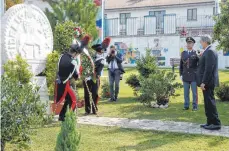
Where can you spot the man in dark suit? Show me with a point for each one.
(208, 79)
(188, 66)
(114, 60)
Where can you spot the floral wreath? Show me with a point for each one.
(78, 32)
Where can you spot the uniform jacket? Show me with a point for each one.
(99, 64)
(188, 66)
(66, 67)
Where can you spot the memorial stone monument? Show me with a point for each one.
(26, 31)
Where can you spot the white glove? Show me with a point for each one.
(181, 78)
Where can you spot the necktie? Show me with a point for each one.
(112, 66)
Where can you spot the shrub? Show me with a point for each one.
(222, 92)
(51, 70)
(158, 87)
(134, 83)
(105, 89)
(69, 137)
(146, 64)
(63, 35)
(18, 70)
(21, 110)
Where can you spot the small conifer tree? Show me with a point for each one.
(69, 137)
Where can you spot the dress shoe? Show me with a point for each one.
(61, 119)
(194, 109)
(203, 125)
(110, 100)
(186, 108)
(86, 114)
(95, 113)
(212, 127)
(115, 99)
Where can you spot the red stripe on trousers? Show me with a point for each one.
(71, 93)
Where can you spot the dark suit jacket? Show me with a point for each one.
(118, 59)
(188, 66)
(207, 71)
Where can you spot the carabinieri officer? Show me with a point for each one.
(188, 67)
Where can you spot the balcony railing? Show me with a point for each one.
(150, 25)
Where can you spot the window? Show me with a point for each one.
(159, 17)
(157, 13)
(123, 17)
(192, 14)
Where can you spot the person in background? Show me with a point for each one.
(208, 79)
(115, 69)
(93, 85)
(188, 67)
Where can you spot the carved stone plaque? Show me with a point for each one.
(26, 31)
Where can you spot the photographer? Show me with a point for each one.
(115, 69)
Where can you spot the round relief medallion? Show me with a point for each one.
(26, 31)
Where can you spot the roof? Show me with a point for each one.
(120, 4)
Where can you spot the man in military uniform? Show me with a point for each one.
(67, 69)
(91, 86)
(188, 67)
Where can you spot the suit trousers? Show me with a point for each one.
(210, 107)
(114, 78)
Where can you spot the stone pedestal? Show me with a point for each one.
(43, 91)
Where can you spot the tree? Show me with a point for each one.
(69, 137)
(147, 64)
(221, 28)
(10, 3)
(82, 12)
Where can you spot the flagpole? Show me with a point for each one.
(102, 35)
(2, 7)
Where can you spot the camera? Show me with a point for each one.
(112, 52)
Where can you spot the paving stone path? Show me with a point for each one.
(144, 124)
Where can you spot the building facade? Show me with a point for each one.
(158, 25)
(161, 26)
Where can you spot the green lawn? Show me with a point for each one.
(96, 138)
(129, 107)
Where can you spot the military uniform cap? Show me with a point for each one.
(190, 39)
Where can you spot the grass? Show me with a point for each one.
(117, 139)
(98, 138)
(128, 107)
